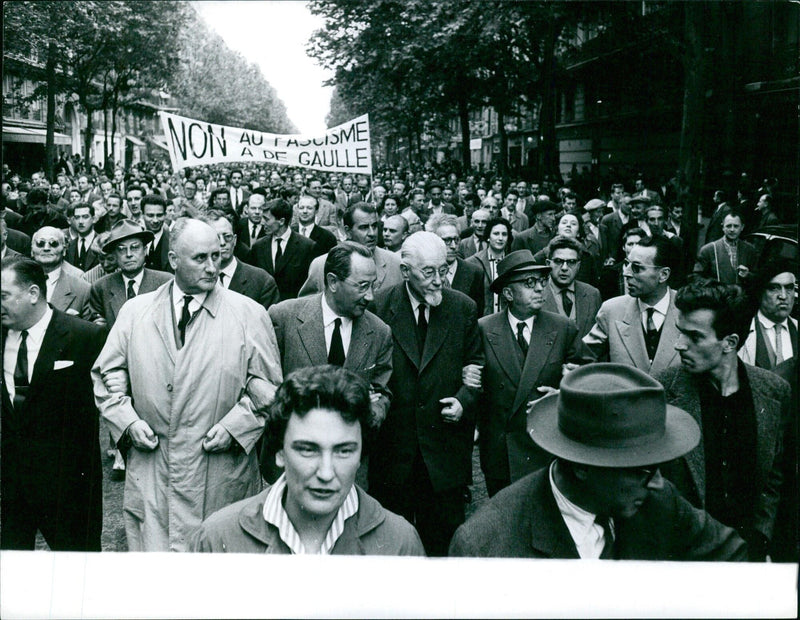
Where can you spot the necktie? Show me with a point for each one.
(81, 253)
(252, 233)
(566, 302)
(304, 231)
(21, 384)
(222, 278)
(185, 318)
(336, 353)
(446, 281)
(608, 534)
(422, 328)
(130, 292)
(778, 344)
(278, 252)
(651, 335)
(523, 344)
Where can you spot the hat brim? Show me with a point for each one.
(682, 435)
(501, 281)
(145, 235)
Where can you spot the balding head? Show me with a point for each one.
(194, 255)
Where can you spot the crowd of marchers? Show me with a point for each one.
(253, 336)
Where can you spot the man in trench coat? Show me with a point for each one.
(202, 363)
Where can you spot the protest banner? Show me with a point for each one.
(344, 148)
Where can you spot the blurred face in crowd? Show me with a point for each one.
(498, 238)
(170, 212)
(564, 265)
(522, 189)
(255, 208)
(656, 220)
(321, 454)
(436, 196)
(616, 193)
(570, 204)
(479, 220)
(75, 196)
(777, 300)
(395, 230)
(365, 228)
(135, 202)
(48, 247)
(154, 215)
(227, 240)
(481, 192)
(351, 296)
(315, 189)
(83, 183)
(447, 194)
(306, 210)
(676, 214)
(510, 202)
(363, 186)
(222, 201)
(732, 227)
(637, 210)
(631, 241)
(417, 202)
(108, 260)
(390, 206)
(698, 345)
(189, 189)
(130, 255)
(81, 221)
(114, 206)
(449, 234)
(275, 180)
(347, 184)
(568, 226)
(106, 188)
(298, 182)
(399, 188)
(378, 194)
(196, 258)
(547, 219)
(424, 273)
(535, 189)
(55, 191)
(236, 179)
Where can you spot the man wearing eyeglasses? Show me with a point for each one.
(564, 294)
(421, 463)
(462, 275)
(639, 328)
(335, 327)
(66, 291)
(526, 348)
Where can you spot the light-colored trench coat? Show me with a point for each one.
(227, 371)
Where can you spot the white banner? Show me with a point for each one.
(345, 148)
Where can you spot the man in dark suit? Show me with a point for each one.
(66, 291)
(526, 349)
(603, 497)
(736, 472)
(79, 250)
(251, 228)
(612, 228)
(239, 194)
(154, 211)
(306, 209)
(475, 242)
(235, 275)
(421, 461)
(539, 234)
(714, 227)
(127, 241)
(282, 253)
(50, 442)
(461, 274)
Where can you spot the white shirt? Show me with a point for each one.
(560, 300)
(236, 197)
(156, 240)
(306, 230)
(228, 272)
(589, 537)
(33, 342)
(284, 239)
(514, 321)
(328, 319)
(137, 282)
(769, 332)
(87, 240)
(52, 281)
(415, 304)
(660, 313)
(177, 302)
(451, 272)
(275, 514)
(254, 230)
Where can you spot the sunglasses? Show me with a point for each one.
(40, 243)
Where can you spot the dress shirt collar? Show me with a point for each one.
(329, 316)
(661, 306)
(137, 281)
(307, 228)
(35, 331)
(415, 304)
(451, 271)
(556, 290)
(177, 300)
(229, 271)
(587, 535)
(275, 514)
(52, 281)
(514, 321)
(769, 324)
(284, 237)
(87, 240)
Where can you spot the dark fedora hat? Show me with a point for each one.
(540, 206)
(126, 229)
(612, 415)
(514, 264)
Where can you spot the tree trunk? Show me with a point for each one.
(88, 138)
(105, 138)
(548, 149)
(463, 116)
(502, 161)
(49, 144)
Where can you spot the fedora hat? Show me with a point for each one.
(612, 415)
(540, 206)
(513, 264)
(126, 229)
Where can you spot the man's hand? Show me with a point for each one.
(471, 376)
(116, 381)
(142, 436)
(451, 409)
(377, 410)
(217, 439)
(546, 390)
(569, 366)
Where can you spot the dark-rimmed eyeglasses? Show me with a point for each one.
(531, 281)
(40, 243)
(569, 262)
(637, 267)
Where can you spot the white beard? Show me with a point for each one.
(433, 299)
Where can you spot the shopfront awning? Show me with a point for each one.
(31, 135)
(134, 140)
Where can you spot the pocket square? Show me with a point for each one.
(61, 364)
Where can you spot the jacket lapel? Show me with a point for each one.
(404, 326)
(542, 338)
(55, 340)
(632, 337)
(360, 341)
(62, 296)
(549, 534)
(312, 332)
(666, 353)
(437, 333)
(502, 342)
(116, 292)
(380, 268)
(682, 393)
(163, 319)
(581, 306)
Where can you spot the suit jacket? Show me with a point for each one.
(292, 268)
(467, 247)
(71, 256)
(481, 261)
(523, 521)
(587, 303)
(71, 295)
(530, 239)
(19, 241)
(618, 336)
(748, 352)
(108, 294)
(158, 258)
(714, 228)
(611, 228)
(323, 237)
(771, 396)
(714, 260)
(387, 267)
(243, 233)
(509, 383)
(301, 341)
(254, 283)
(245, 195)
(50, 449)
(469, 280)
(419, 380)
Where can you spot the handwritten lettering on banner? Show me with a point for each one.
(345, 148)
